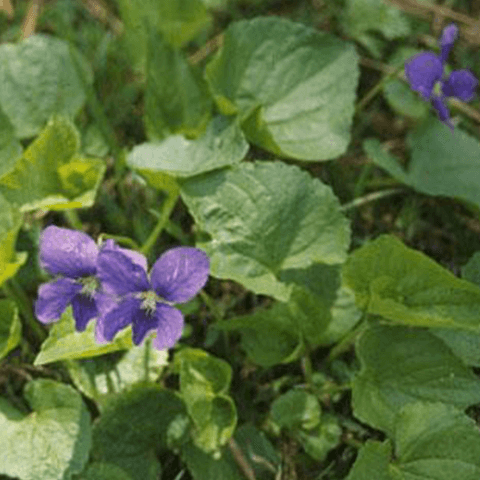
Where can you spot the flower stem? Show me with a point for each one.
(13, 290)
(307, 369)
(167, 207)
(347, 341)
(119, 239)
(376, 89)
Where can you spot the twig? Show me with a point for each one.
(6, 6)
(371, 197)
(240, 460)
(30, 22)
(98, 10)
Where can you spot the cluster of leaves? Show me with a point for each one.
(222, 132)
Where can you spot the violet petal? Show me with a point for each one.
(170, 326)
(460, 84)
(135, 257)
(84, 309)
(442, 110)
(54, 297)
(422, 72)
(104, 302)
(67, 252)
(449, 35)
(119, 317)
(180, 273)
(142, 324)
(119, 274)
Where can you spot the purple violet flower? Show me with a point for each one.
(147, 304)
(424, 73)
(72, 257)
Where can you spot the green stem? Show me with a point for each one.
(376, 89)
(13, 290)
(72, 218)
(167, 208)
(347, 340)
(307, 369)
(371, 197)
(119, 239)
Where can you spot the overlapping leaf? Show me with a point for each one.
(431, 442)
(406, 287)
(98, 377)
(10, 223)
(221, 145)
(440, 164)
(133, 426)
(204, 384)
(293, 86)
(51, 442)
(401, 365)
(38, 78)
(10, 327)
(65, 343)
(176, 96)
(50, 174)
(264, 219)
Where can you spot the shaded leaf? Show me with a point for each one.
(401, 365)
(38, 79)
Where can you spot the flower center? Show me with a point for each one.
(437, 89)
(150, 299)
(89, 286)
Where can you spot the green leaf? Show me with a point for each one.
(37, 80)
(10, 147)
(264, 219)
(104, 471)
(405, 286)
(176, 96)
(372, 462)
(221, 145)
(10, 222)
(65, 343)
(269, 336)
(255, 448)
(178, 20)
(133, 426)
(101, 376)
(293, 86)
(465, 345)
(51, 175)
(401, 365)
(363, 17)
(258, 451)
(296, 409)
(436, 442)
(318, 441)
(53, 441)
(324, 309)
(433, 441)
(471, 271)
(10, 327)
(204, 384)
(442, 163)
(203, 466)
